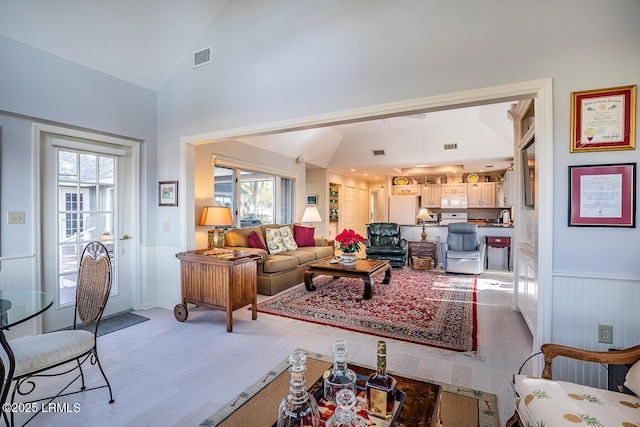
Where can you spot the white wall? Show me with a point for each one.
(299, 59)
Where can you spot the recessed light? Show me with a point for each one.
(352, 170)
(422, 166)
(365, 174)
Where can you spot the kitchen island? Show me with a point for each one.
(496, 257)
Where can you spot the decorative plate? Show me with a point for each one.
(400, 180)
(472, 178)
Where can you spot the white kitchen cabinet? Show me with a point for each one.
(459, 190)
(407, 190)
(431, 196)
(482, 196)
(527, 283)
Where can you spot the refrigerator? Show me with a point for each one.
(403, 209)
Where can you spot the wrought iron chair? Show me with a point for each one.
(39, 353)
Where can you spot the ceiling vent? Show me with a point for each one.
(379, 152)
(201, 57)
(451, 146)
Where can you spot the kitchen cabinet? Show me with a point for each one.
(454, 190)
(528, 289)
(407, 190)
(483, 195)
(431, 196)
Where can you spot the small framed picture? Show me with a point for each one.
(168, 193)
(312, 199)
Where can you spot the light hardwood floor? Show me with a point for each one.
(166, 373)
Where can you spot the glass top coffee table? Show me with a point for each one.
(364, 269)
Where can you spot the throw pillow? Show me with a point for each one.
(632, 380)
(303, 235)
(253, 241)
(287, 238)
(274, 241)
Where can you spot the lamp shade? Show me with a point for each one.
(423, 213)
(311, 214)
(216, 216)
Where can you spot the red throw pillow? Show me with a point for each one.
(253, 240)
(303, 235)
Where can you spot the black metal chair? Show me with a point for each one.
(37, 354)
(384, 242)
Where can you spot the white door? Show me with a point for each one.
(88, 192)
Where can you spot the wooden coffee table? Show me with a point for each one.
(364, 269)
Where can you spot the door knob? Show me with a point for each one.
(125, 237)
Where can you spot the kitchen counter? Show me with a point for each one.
(439, 232)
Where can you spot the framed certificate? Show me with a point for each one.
(603, 119)
(602, 195)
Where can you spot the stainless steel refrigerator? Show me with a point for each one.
(403, 209)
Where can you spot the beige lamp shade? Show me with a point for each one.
(423, 214)
(216, 216)
(311, 215)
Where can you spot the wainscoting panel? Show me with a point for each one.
(19, 272)
(580, 304)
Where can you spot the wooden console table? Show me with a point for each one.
(219, 279)
(423, 248)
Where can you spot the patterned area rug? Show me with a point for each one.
(418, 306)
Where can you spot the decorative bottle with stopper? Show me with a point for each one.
(299, 408)
(339, 376)
(345, 415)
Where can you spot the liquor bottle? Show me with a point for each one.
(345, 415)
(299, 408)
(381, 388)
(339, 376)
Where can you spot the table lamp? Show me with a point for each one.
(311, 215)
(423, 214)
(216, 216)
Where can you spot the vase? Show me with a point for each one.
(348, 258)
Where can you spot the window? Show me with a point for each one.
(256, 197)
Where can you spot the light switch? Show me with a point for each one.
(15, 217)
(166, 227)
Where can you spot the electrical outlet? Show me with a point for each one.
(166, 227)
(605, 334)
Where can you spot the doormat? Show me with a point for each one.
(114, 323)
(418, 306)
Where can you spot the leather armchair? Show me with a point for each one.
(384, 242)
(462, 253)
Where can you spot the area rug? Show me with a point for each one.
(115, 323)
(257, 406)
(418, 306)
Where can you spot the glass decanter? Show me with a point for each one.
(345, 415)
(299, 408)
(339, 376)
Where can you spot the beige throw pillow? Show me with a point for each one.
(288, 239)
(274, 241)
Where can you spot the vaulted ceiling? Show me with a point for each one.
(142, 41)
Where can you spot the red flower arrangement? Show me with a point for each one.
(349, 241)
